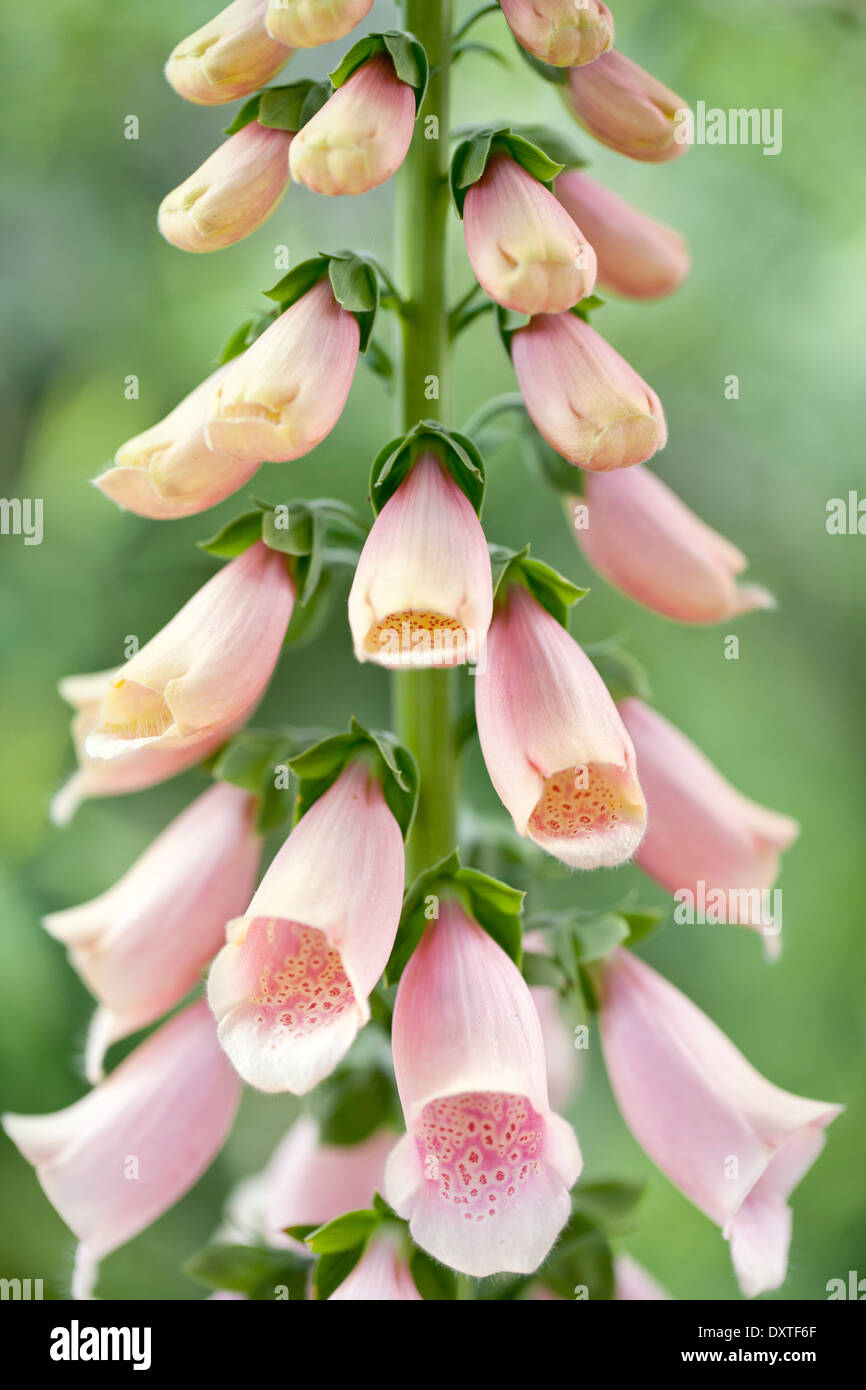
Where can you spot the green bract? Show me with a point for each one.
(496, 906)
(354, 278)
(244, 336)
(547, 586)
(473, 152)
(320, 535)
(579, 936)
(282, 108)
(404, 50)
(319, 767)
(251, 1270)
(393, 463)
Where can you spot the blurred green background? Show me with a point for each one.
(91, 293)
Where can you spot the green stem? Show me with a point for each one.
(424, 702)
(465, 1287)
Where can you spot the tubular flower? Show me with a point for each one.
(290, 988)
(141, 946)
(422, 593)
(637, 256)
(307, 1183)
(142, 767)
(638, 534)
(523, 246)
(732, 1142)
(232, 194)
(361, 135)
(227, 58)
(585, 399)
(626, 108)
(308, 23)
(484, 1170)
(207, 668)
(381, 1275)
(556, 750)
(169, 471)
(281, 397)
(706, 843)
(127, 1151)
(564, 33)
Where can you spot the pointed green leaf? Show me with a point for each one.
(235, 537)
(247, 114)
(250, 1270)
(331, 1270)
(496, 906)
(394, 462)
(472, 154)
(404, 50)
(246, 335)
(344, 1233)
(548, 587)
(290, 107)
(319, 767)
(557, 147)
(298, 281)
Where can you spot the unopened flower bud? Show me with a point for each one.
(227, 58)
(361, 135)
(523, 246)
(232, 194)
(637, 256)
(564, 33)
(287, 391)
(308, 23)
(587, 402)
(626, 108)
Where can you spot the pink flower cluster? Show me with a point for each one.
(482, 1174)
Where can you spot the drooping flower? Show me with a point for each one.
(169, 471)
(564, 33)
(308, 23)
(422, 593)
(143, 766)
(634, 1284)
(307, 1183)
(231, 194)
(290, 988)
(587, 402)
(141, 946)
(361, 135)
(281, 397)
(626, 108)
(207, 668)
(706, 842)
(732, 1142)
(484, 1170)
(638, 534)
(556, 750)
(115, 1160)
(229, 57)
(523, 246)
(637, 256)
(381, 1275)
